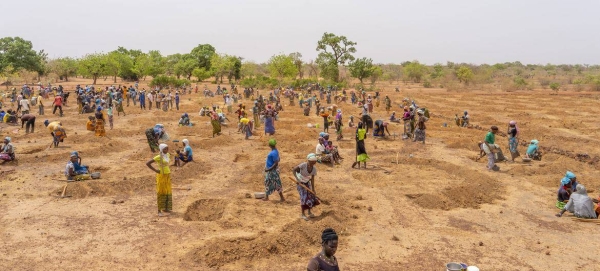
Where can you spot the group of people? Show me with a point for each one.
(572, 197)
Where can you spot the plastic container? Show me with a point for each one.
(95, 175)
(454, 267)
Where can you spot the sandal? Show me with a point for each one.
(304, 217)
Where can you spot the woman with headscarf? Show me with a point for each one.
(246, 127)
(7, 151)
(153, 135)
(533, 151)
(164, 197)
(91, 124)
(75, 170)
(370, 104)
(513, 140)
(269, 120)
(361, 152)
(325, 115)
(564, 193)
(325, 260)
(185, 156)
(272, 179)
(216, 124)
(580, 204)
(407, 118)
(184, 120)
(99, 127)
(339, 124)
(380, 129)
(305, 174)
(325, 151)
(420, 126)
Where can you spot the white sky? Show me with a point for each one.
(389, 31)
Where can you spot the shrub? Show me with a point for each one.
(520, 83)
(427, 84)
(555, 86)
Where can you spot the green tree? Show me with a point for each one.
(186, 66)
(170, 62)
(438, 71)
(93, 65)
(464, 74)
(298, 63)
(203, 53)
(201, 74)
(249, 69)
(112, 63)
(415, 71)
(17, 53)
(361, 68)
(221, 65)
(282, 66)
(376, 74)
(63, 67)
(333, 51)
(157, 63)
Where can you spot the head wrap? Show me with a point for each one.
(512, 122)
(420, 112)
(534, 142)
(74, 154)
(565, 181)
(339, 110)
(328, 235)
(164, 156)
(8, 139)
(46, 122)
(185, 115)
(186, 142)
(158, 128)
(570, 175)
(272, 142)
(99, 108)
(581, 190)
(311, 157)
(321, 134)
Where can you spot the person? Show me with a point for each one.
(580, 204)
(564, 193)
(99, 127)
(256, 115)
(420, 126)
(176, 100)
(533, 151)
(24, 104)
(7, 151)
(29, 120)
(388, 104)
(272, 178)
(393, 117)
(325, 260)
(184, 120)
(246, 127)
(270, 115)
(407, 118)
(216, 124)
(186, 156)
(323, 154)
(75, 170)
(58, 101)
(57, 131)
(120, 107)
(380, 129)
(489, 147)
(351, 122)
(153, 135)
(339, 124)
(305, 174)
(361, 152)
(90, 124)
(306, 110)
(365, 117)
(513, 140)
(143, 99)
(109, 113)
(465, 119)
(164, 196)
(325, 116)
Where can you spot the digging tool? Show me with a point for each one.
(182, 188)
(308, 189)
(62, 195)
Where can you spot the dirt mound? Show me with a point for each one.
(240, 157)
(101, 188)
(294, 239)
(205, 210)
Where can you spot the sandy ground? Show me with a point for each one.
(436, 205)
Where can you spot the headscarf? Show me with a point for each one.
(74, 154)
(272, 142)
(564, 181)
(328, 235)
(534, 142)
(322, 134)
(311, 157)
(581, 190)
(186, 142)
(159, 128)
(163, 156)
(570, 175)
(46, 122)
(8, 139)
(512, 122)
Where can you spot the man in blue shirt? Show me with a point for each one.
(177, 100)
(272, 179)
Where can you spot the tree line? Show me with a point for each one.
(336, 63)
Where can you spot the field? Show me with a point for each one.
(416, 207)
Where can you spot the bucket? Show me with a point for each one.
(453, 267)
(95, 175)
(259, 195)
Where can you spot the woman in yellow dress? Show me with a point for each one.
(100, 123)
(164, 197)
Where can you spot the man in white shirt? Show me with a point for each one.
(24, 105)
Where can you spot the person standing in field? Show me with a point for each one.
(164, 194)
(143, 99)
(272, 178)
(24, 104)
(177, 100)
(361, 152)
(420, 126)
(388, 104)
(513, 140)
(489, 145)
(109, 112)
(58, 101)
(151, 96)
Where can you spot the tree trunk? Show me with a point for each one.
(95, 77)
(66, 78)
(115, 79)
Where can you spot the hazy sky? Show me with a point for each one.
(474, 31)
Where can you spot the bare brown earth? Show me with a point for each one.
(435, 206)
